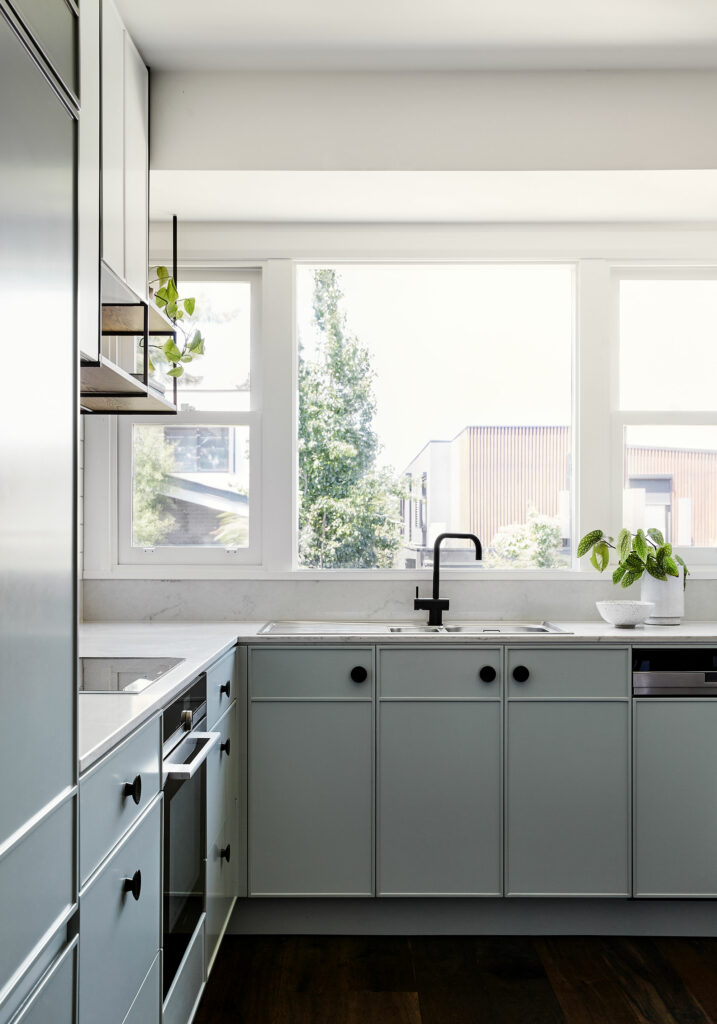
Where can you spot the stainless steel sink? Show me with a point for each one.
(503, 628)
(478, 628)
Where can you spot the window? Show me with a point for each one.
(434, 398)
(667, 414)
(192, 495)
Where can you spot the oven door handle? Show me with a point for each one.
(174, 770)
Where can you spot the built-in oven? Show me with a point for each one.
(185, 746)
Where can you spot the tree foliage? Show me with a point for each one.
(348, 514)
(153, 461)
(534, 544)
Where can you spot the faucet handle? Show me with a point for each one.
(416, 591)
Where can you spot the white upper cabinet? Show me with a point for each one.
(125, 148)
(136, 169)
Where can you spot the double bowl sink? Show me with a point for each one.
(500, 627)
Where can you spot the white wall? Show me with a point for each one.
(433, 121)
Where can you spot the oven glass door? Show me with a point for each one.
(184, 866)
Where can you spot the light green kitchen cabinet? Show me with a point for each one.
(311, 771)
(224, 851)
(675, 797)
(120, 914)
(54, 998)
(567, 773)
(439, 772)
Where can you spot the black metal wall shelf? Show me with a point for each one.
(106, 387)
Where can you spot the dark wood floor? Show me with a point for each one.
(359, 980)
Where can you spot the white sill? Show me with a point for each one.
(221, 572)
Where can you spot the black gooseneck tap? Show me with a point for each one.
(436, 605)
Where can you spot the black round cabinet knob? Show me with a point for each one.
(133, 884)
(133, 789)
(226, 853)
(359, 674)
(487, 673)
(521, 674)
(226, 688)
(225, 747)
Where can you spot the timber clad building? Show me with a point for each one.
(492, 477)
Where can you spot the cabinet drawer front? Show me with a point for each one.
(222, 886)
(37, 886)
(324, 674)
(120, 935)
(568, 673)
(147, 1007)
(184, 994)
(675, 756)
(439, 793)
(106, 813)
(568, 798)
(54, 27)
(439, 674)
(223, 772)
(220, 676)
(311, 798)
(53, 999)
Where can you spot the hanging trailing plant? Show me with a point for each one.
(172, 357)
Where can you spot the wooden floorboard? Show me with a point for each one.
(461, 980)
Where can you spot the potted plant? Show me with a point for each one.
(647, 557)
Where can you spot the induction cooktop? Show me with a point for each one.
(122, 675)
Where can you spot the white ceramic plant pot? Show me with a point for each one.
(668, 597)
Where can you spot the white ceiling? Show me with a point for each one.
(436, 197)
(424, 34)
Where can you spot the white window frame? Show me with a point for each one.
(702, 557)
(194, 555)
(599, 252)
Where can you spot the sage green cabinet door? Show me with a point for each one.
(568, 806)
(439, 798)
(310, 798)
(675, 813)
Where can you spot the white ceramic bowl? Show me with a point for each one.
(624, 614)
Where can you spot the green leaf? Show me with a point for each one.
(162, 273)
(186, 358)
(623, 543)
(176, 371)
(151, 365)
(179, 315)
(171, 310)
(172, 290)
(196, 345)
(189, 306)
(655, 569)
(629, 578)
(171, 351)
(634, 562)
(655, 535)
(160, 297)
(639, 545)
(588, 540)
(600, 556)
(619, 573)
(671, 567)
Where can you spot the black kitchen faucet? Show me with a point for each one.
(436, 605)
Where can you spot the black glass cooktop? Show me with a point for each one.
(122, 675)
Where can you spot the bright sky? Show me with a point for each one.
(456, 345)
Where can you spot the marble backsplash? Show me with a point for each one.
(251, 600)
